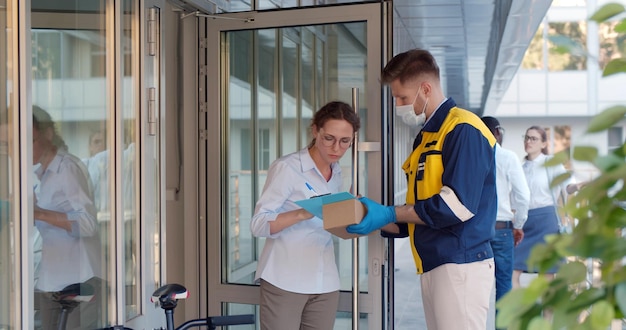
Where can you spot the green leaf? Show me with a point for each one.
(561, 50)
(602, 314)
(620, 297)
(606, 119)
(586, 299)
(560, 179)
(607, 11)
(608, 162)
(573, 272)
(539, 323)
(558, 158)
(511, 306)
(621, 27)
(617, 65)
(587, 154)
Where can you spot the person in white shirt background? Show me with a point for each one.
(297, 270)
(65, 218)
(542, 214)
(513, 199)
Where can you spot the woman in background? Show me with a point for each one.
(297, 270)
(542, 213)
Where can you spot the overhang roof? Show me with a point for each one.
(479, 44)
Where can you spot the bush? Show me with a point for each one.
(572, 299)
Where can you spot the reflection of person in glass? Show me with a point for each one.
(96, 143)
(297, 268)
(66, 220)
(6, 262)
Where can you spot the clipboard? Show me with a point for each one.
(315, 204)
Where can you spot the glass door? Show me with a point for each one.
(86, 96)
(266, 74)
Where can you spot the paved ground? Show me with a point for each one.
(409, 313)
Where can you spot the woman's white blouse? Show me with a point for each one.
(300, 258)
(539, 177)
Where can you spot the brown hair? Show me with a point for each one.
(42, 121)
(410, 65)
(544, 137)
(335, 110)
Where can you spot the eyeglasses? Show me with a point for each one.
(329, 141)
(530, 138)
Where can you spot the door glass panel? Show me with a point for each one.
(290, 108)
(70, 160)
(318, 64)
(8, 284)
(130, 187)
(240, 250)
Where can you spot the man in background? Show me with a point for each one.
(513, 199)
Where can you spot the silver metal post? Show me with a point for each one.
(355, 241)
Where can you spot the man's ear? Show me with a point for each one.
(426, 88)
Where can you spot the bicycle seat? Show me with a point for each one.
(74, 294)
(169, 294)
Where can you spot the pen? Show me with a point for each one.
(310, 188)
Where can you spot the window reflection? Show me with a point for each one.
(72, 206)
(7, 287)
(65, 218)
(7, 256)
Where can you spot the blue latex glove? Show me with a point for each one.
(377, 217)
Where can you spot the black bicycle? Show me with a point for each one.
(168, 295)
(69, 298)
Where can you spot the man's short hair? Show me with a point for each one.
(409, 66)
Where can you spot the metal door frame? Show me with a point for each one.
(373, 302)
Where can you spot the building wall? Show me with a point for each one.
(544, 94)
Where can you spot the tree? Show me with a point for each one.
(600, 207)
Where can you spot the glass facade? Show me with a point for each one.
(84, 110)
(9, 284)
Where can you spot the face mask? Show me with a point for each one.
(408, 113)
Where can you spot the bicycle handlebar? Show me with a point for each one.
(168, 296)
(219, 321)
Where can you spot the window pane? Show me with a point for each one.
(8, 292)
(615, 137)
(289, 66)
(130, 186)
(567, 46)
(533, 59)
(241, 127)
(72, 213)
(612, 44)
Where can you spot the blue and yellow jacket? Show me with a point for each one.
(452, 185)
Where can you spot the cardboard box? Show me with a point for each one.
(338, 215)
(337, 210)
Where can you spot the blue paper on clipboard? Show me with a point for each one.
(315, 204)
